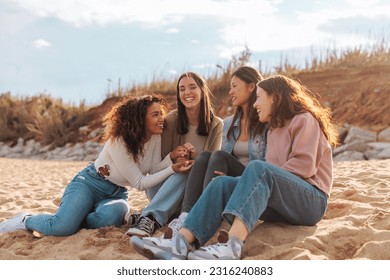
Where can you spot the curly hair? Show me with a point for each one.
(248, 75)
(206, 114)
(292, 98)
(126, 121)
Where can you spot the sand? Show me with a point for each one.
(356, 224)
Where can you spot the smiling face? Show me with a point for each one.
(190, 92)
(240, 92)
(263, 105)
(154, 120)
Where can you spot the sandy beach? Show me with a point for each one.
(356, 224)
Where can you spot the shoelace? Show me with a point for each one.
(215, 247)
(146, 225)
(175, 225)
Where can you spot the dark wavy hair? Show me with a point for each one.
(248, 75)
(292, 98)
(206, 114)
(126, 121)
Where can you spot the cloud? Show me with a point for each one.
(12, 19)
(262, 25)
(149, 12)
(354, 24)
(172, 30)
(40, 44)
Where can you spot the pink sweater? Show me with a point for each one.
(301, 148)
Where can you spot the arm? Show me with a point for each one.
(130, 170)
(215, 136)
(305, 135)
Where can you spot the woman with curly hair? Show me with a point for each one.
(293, 184)
(98, 194)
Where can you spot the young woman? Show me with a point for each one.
(98, 195)
(243, 139)
(194, 128)
(292, 185)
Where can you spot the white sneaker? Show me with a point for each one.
(161, 248)
(149, 246)
(15, 223)
(230, 250)
(175, 225)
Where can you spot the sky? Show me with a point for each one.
(81, 50)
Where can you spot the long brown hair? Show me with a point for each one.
(126, 121)
(206, 113)
(291, 98)
(248, 75)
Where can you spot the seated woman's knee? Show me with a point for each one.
(257, 164)
(221, 182)
(219, 155)
(203, 157)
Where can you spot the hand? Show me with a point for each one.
(179, 152)
(183, 167)
(219, 173)
(190, 150)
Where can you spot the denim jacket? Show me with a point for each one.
(256, 144)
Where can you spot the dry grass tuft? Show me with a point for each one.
(41, 117)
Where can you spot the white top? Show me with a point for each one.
(241, 152)
(124, 171)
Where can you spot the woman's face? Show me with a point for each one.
(240, 92)
(190, 92)
(263, 105)
(154, 120)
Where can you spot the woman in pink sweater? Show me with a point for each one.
(292, 185)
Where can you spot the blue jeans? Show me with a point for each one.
(88, 201)
(263, 190)
(165, 200)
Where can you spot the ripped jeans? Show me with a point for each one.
(89, 201)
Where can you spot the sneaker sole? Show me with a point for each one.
(194, 256)
(139, 245)
(138, 233)
(152, 254)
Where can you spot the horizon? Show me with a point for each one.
(80, 50)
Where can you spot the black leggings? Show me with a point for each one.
(203, 172)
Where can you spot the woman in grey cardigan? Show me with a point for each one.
(193, 127)
(243, 140)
